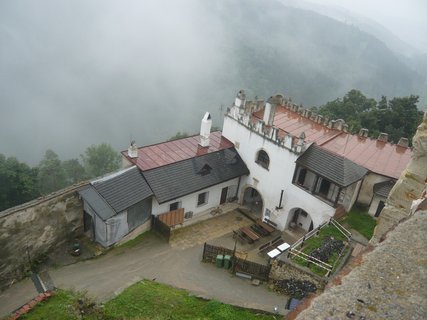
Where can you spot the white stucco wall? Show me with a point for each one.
(189, 202)
(351, 195)
(367, 189)
(269, 183)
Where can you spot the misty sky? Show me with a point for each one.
(407, 19)
(75, 73)
(82, 72)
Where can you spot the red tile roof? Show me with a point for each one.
(293, 123)
(379, 157)
(165, 153)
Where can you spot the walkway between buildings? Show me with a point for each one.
(152, 258)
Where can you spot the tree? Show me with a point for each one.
(74, 171)
(398, 117)
(100, 159)
(51, 175)
(18, 182)
(179, 135)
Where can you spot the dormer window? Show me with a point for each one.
(263, 159)
(206, 169)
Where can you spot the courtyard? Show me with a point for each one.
(177, 263)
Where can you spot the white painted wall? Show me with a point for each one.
(189, 202)
(367, 189)
(269, 183)
(351, 195)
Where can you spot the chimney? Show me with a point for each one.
(403, 142)
(363, 133)
(383, 137)
(205, 130)
(269, 111)
(133, 150)
(339, 124)
(240, 99)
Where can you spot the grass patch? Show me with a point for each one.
(143, 300)
(136, 240)
(359, 220)
(316, 242)
(152, 300)
(62, 305)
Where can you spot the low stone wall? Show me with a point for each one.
(287, 270)
(30, 231)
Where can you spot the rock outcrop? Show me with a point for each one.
(408, 187)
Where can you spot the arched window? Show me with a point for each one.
(263, 159)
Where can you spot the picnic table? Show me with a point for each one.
(249, 233)
(265, 226)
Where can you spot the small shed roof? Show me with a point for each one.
(123, 188)
(383, 188)
(96, 202)
(331, 166)
(184, 177)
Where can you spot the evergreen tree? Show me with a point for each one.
(51, 175)
(100, 159)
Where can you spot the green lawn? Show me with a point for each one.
(314, 243)
(143, 300)
(359, 220)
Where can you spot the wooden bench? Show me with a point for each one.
(271, 223)
(259, 230)
(248, 232)
(271, 245)
(239, 235)
(268, 228)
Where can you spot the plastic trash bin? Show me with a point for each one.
(227, 262)
(219, 260)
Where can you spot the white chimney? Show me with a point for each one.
(133, 150)
(205, 130)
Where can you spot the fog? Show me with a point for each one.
(406, 19)
(76, 73)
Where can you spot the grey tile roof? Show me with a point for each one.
(123, 189)
(384, 188)
(333, 167)
(96, 202)
(184, 177)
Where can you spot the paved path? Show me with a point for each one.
(108, 275)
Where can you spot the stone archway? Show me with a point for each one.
(299, 218)
(253, 200)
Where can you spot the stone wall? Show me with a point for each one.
(31, 230)
(408, 187)
(287, 270)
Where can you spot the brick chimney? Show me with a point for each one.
(205, 130)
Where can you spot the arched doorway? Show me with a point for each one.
(299, 218)
(253, 200)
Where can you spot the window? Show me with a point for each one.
(175, 206)
(202, 199)
(188, 215)
(263, 159)
(301, 176)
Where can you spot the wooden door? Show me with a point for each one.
(223, 195)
